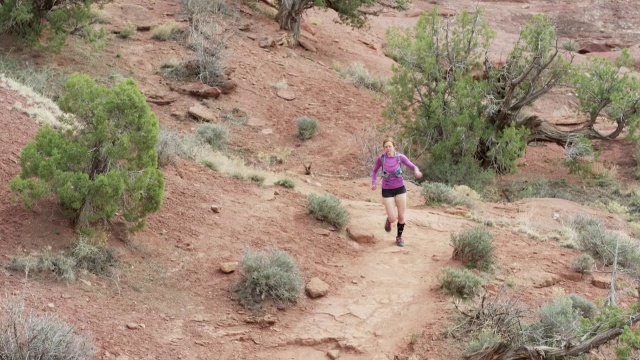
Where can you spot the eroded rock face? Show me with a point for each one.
(360, 234)
(317, 288)
(200, 90)
(201, 112)
(601, 281)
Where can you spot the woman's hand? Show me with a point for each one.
(373, 187)
(418, 174)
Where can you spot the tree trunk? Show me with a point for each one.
(542, 130)
(503, 351)
(289, 15)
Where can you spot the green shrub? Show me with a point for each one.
(582, 263)
(173, 70)
(583, 306)
(257, 178)
(459, 283)
(61, 266)
(215, 135)
(636, 157)
(127, 31)
(474, 247)
(360, 77)
(165, 31)
(438, 193)
(43, 80)
(169, 147)
(571, 45)
(240, 176)
(595, 239)
(579, 148)
(30, 335)
(107, 165)
(465, 171)
(307, 127)
(210, 164)
(98, 259)
(484, 340)
(559, 321)
(30, 20)
(269, 275)
(327, 208)
(286, 183)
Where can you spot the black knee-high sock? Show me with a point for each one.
(400, 229)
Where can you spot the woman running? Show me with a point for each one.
(393, 190)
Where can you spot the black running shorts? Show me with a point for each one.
(389, 193)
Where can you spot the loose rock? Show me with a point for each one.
(317, 288)
(286, 94)
(229, 266)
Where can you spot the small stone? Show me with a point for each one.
(333, 354)
(286, 94)
(316, 288)
(215, 209)
(229, 266)
(267, 42)
(50, 305)
(276, 192)
(133, 326)
(307, 44)
(323, 232)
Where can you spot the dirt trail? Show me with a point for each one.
(390, 287)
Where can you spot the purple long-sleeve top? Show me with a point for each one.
(391, 163)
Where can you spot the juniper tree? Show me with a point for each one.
(465, 113)
(105, 165)
(30, 19)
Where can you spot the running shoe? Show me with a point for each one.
(387, 225)
(399, 241)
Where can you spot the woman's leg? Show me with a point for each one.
(389, 205)
(401, 203)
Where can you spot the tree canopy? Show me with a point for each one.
(105, 165)
(31, 19)
(465, 113)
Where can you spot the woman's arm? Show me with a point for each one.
(374, 173)
(405, 160)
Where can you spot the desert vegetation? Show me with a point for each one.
(101, 167)
(474, 130)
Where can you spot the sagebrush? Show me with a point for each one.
(327, 208)
(269, 275)
(307, 127)
(460, 283)
(474, 247)
(27, 335)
